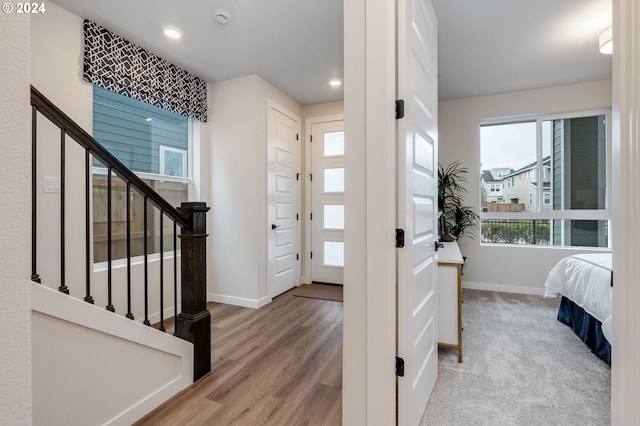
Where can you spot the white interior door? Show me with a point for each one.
(327, 202)
(417, 76)
(283, 199)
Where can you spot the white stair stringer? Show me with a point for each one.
(90, 366)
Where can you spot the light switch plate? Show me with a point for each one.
(52, 185)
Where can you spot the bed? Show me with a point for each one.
(585, 284)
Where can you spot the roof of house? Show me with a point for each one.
(545, 160)
(488, 177)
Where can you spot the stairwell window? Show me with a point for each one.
(155, 144)
(557, 188)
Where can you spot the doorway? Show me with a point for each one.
(325, 199)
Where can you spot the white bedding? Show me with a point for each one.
(585, 279)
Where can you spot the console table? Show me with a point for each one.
(450, 263)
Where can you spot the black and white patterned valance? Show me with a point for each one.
(125, 68)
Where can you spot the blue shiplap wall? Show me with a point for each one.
(121, 124)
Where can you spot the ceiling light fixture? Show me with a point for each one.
(221, 16)
(605, 41)
(334, 82)
(172, 33)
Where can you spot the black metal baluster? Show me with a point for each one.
(146, 266)
(34, 247)
(109, 300)
(161, 328)
(175, 275)
(63, 287)
(129, 313)
(87, 229)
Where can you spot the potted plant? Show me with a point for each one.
(456, 219)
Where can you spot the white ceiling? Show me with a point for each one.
(485, 46)
(497, 46)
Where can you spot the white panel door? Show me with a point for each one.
(283, 200)
(417, 76)
(327, 202)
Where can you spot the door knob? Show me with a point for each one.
(274, 226)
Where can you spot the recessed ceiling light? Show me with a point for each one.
(335, 82)
(172, 33)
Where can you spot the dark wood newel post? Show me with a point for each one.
(194, 322)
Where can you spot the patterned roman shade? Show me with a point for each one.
(116, 64)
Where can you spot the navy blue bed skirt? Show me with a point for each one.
(586, 327)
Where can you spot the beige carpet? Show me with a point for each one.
(521, 366)
(319, 291)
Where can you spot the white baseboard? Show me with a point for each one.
(238, 301)
(534, 291)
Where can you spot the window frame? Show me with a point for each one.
(162, 156)
(539, 214)
(191, 180)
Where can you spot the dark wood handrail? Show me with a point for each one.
(53, 113)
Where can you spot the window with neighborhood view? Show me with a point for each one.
(152, 142)
(553, 173)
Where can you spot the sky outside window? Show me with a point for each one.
(511, 145)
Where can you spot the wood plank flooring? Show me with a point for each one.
(278, 365)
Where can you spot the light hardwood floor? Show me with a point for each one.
(278, 365)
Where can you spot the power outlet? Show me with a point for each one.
(52, 185)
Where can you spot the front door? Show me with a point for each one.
(327, 202)
(283, 199)
(417, 75)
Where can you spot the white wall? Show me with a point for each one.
(235, 143)
(15, 244)
(369, 383)
(119, 286)
(503, 267)
(320, 110)
(56, 63)
(56, 71)
(109, 369)
(625, 370)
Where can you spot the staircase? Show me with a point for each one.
(101, 335)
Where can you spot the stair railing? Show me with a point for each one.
(193, 322)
